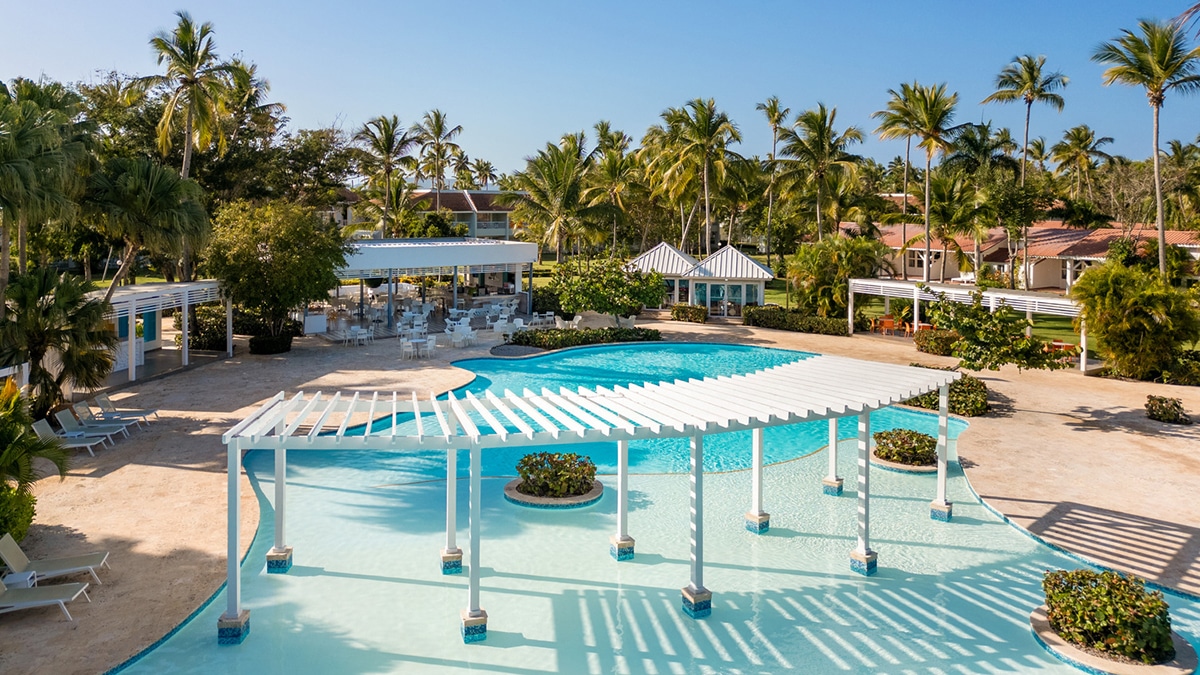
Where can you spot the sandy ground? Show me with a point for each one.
(1069, 457)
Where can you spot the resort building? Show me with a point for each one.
(1057, 254)
(725, 282)
(477, 209)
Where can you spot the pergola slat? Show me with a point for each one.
(509, 414)
(533, 414)
(500, 429)
(553, 411)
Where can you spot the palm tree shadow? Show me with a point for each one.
(1125, 420)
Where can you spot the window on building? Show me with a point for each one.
(915, 259)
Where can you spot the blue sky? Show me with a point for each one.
(519, 73)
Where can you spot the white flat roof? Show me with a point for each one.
(816, 387)
(150, 297)
(374, 255)
(1038, 303)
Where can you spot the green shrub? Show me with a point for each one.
(1185, 369)
(555, 474)
(1109, 612)
(207, 331)
(270, 344)
(794, 320)
(556, 338)
(16, 511)
(545, 299)
(690, 313)
(936, 342)
(968, 395)
(905, 446)
(1166, 409)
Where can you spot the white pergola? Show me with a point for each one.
(814, 388)
(129, 301)
(1030, 302)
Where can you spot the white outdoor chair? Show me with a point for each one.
(518, 324)
(46, 568)
(107, 406)
(70, 441)
(13, 599)
(84, 412)
(560, 324)
(458, 339)
(70, 425)
(407, 351)
(428, 347)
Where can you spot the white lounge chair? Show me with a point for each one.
(84, 412)
(15, 558)
(69, 441)
(70, 425)
(107, 406)
(13, 599)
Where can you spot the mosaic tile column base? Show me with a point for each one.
(279, 562)
(233, 631)
(452, 561)
(697, 602)
(758, 523)
(941, 511)
(474, 628)
(832, 486)
(863, 563)
(620, 548)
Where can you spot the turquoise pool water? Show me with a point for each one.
(366, 595)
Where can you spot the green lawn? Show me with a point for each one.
(142, 279)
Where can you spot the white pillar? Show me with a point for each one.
(132, 334)
(234, 625)
(887, 304)
(473, 608)
(862, 559)
(832, 483)
(1029, 326)
(941, 509)
(454, 289)
(916, 306)
(850, 312)
(697, 600)
(451, 499)
(183, 321)
(1082, 347)
(758, 521)
(280, 498)
(229, 326)
(1070, 273)
(621, 544)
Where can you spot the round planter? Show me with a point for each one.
(1184, 662)
(900, 468)
(591, 497)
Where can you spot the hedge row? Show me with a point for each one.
(1109, 612)
(690, 313)
(936, 342)
(794, 320)
(968, 395)
(556, 338)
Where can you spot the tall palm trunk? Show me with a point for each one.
(185, 263)
(1025, 147)
(904, 208)
(708, 212)
(771, 189)
(1158, 203)
(22, 237)
(126, 264)
(5, 264)
(925, 265)
(819, 234)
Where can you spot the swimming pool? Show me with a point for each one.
(366, 594)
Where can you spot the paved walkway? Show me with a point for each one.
(1071, 458)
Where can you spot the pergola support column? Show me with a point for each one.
(621, 545)
(917, 301)
(452, 554)
(474, 619)
(697, 600)
(279, 558)
(850, 313)
(940, 509)
(229, 326)
(132, 335)
(863, 559)
(183, 322)
(757, 520)
(832, 484)
(234, 625)
(1082, 347)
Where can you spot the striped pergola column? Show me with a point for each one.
(697, 600)
(621, 545)
(940, 509)
(474, 619)
(758, 521)
(863, 559)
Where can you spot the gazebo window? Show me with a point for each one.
(752, 295)
(701, 293)
(735, 299)
(670, 292)
(684, 285)
(716, 299)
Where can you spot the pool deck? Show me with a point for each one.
(1071, 458)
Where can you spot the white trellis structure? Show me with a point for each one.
(1029, 302)
(813, 388)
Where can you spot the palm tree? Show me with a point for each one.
(1023, 80)
(896, 122)
(977, 148)
(485, 173)
(1077, 153)
(1038, 153)
(199, 82)
(1159, 61)
(776, 116)
(925, 112)
(247, 99)
(146, 205)
(49, 314)
(385, 144)
(549, 194)
(700, 135)
(953, 211)
(816, 149)
(21, 446)
(437, 148)
(613, 176)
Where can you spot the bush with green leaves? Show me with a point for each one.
(968, 395)
(555, 474)
(690, 313)
(821, 271)
(1185, 369)
(937, 342)
(1166, 409)
(16, 511)
(1109, 612)
(794, 320)
(270, 344)
(990, 339)
(556, 338)
(545, 299)
(1141, 322)
(607, 287)
(905, 446)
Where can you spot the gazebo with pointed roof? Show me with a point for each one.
(724, 282)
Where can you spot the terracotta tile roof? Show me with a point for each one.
(1047, 239)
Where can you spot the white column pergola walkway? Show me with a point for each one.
(813, 388)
